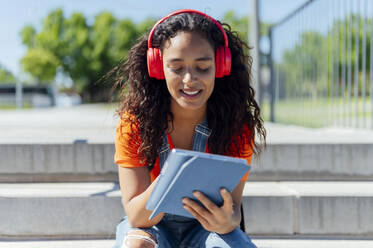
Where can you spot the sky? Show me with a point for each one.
(15, 14)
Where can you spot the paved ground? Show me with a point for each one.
(261, 243)
(96, 123)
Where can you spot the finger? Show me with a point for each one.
(200, 218)
(228, 201)
(209, 205)
(197, 208)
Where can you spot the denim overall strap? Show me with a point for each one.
(179, 225)
(201, 135)
(165, 149)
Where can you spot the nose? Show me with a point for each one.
(188, 76)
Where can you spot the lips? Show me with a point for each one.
(190, 93)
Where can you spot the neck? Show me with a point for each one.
(185, 117)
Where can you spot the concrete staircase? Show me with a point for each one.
(77, 162)
(92, 210)
(308, 191)
(80, 196)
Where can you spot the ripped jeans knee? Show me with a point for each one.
(139, 239)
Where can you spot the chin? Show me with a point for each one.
(194, 107)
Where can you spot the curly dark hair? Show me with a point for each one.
(146, 101)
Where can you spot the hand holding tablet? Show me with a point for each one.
(186, 171)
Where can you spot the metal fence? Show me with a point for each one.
(322, 65)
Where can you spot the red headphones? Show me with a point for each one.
(222, 56)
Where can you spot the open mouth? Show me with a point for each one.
(191, 93)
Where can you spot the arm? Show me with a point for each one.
(222, 219)
(136, 189)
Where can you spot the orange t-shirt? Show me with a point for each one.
(126, 149)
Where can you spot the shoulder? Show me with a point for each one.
(127, 130)
(127, 123)
(127, 142)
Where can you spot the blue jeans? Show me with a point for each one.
(177, 231)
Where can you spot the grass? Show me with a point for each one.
(13, 107)
(320, 112)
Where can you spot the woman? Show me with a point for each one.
(185, 85)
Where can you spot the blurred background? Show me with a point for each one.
(312, 59)
(53, 53)
(312, 72)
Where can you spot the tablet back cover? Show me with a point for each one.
(187, 171)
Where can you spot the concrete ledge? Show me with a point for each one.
(58, 177)
(94, 162)
(309, 208)
(58, 210)
(314, 162)
(93, 243)
(270, 208)
(24, 162)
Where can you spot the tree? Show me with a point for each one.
(81, 51)
(43, 56)
(6, 76)
(238, 24)
(310, 66)
(86, 52)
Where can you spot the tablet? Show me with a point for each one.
(185, 171)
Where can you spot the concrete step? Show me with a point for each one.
(60, 209)
(68, 162)
(309, 208)
(82, 162)
(314, 162)
(270, 208)
(37, 145)
(260, 243)
(93, 243)
(312, 243)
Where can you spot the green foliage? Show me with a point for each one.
(303, 65)
(81, 51)
(42, 63)
(6, 76)
(239, 24)
(309, 67)
(86, 52)
(28, 36)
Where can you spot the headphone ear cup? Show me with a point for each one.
(155, 63)
(223, 61)
(227, 61)
(218, 62)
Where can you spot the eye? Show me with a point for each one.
(203, 69)
(176, 69)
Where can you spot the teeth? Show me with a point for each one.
(191, 92)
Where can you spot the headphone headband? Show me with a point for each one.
(187, 11)
(222, 53)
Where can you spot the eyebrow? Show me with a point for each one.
(199, 59)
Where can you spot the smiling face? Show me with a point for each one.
(189, 69)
